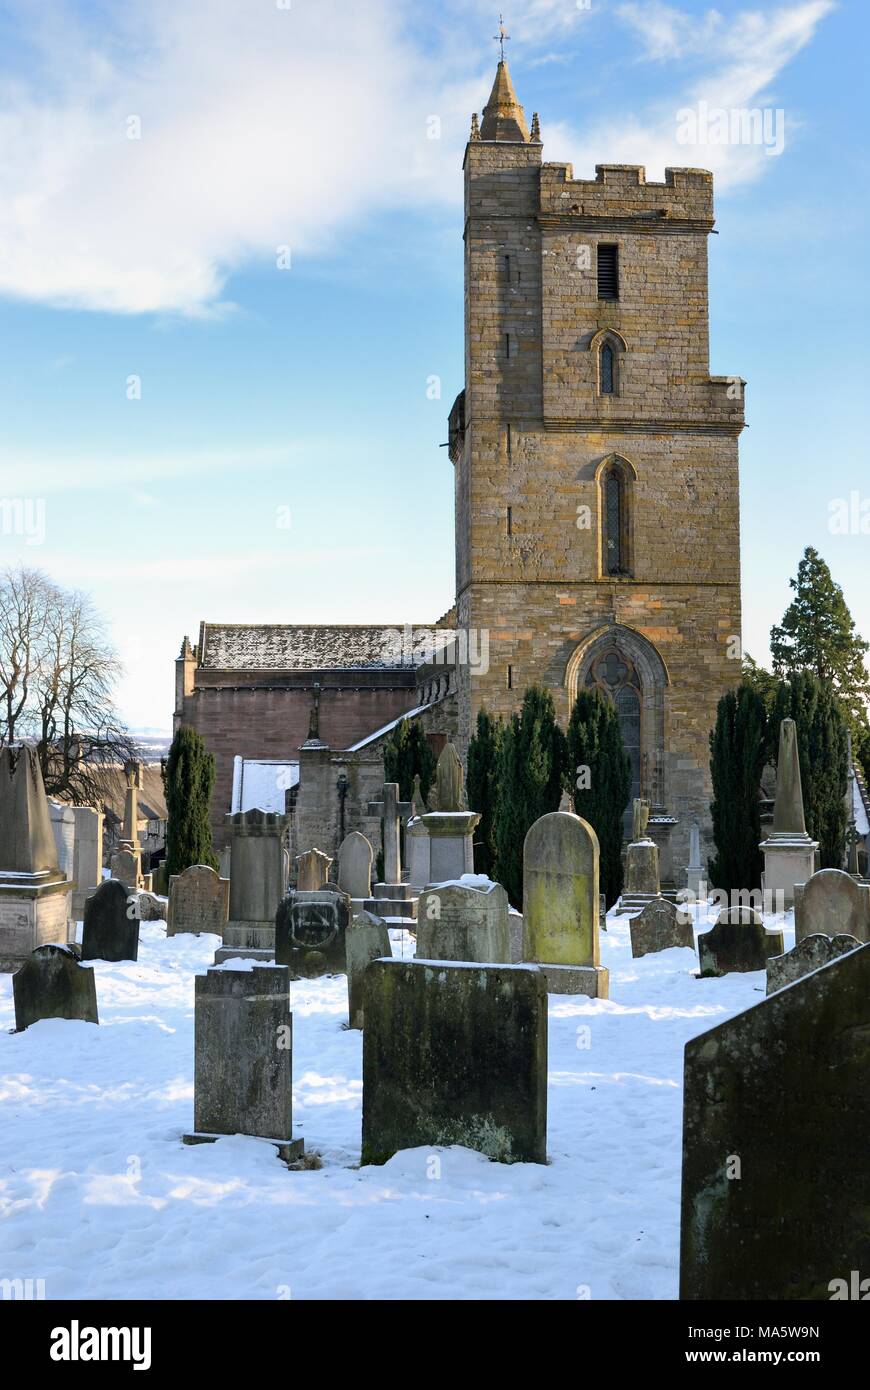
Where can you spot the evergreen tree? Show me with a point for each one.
(406, 753)
(531, 773)
(594, 742)
(482, 788)
(822, 738)
(738, 753)
(188, 779)
(817, 634)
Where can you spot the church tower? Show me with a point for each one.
(596, 459)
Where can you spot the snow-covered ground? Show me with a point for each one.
(100, 1198)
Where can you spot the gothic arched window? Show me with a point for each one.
(614, 674)
(607, 371)
(615, 520)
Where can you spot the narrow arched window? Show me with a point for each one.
(614, 523)
(607, 371)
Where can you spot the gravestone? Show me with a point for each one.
(310, 932)
(739, 942)
(659, 927)
(832, 903)
(111, 925)
(256, 884)
(126, 867)
(392, 899)
(561, 904)
(88, 861)
(695, 869)
(367, 939)
(808, 955)
(776, 1126)
(243, 1064)
(63, 827)
(461, 921)
(642, 884)
(789, 853)
(355, 857)
(34, 892)
(418, 849)
(312, 870)
(52, 984)
(455, 1054)
(199, 901)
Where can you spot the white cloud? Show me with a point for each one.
(260, 128)
(749, 53)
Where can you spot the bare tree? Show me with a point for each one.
(57, 675)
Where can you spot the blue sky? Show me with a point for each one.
(267, 390)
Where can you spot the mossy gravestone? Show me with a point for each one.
(561, 903)
(455, 1054)
(111, 925)
(460, 921)
(310, 930)
(243, 1069)
(739, 942)
(52, 984)
(659, 927)
(366, 939)
(776, 1132)
(808, 955)
(831, 902)
(199, 901)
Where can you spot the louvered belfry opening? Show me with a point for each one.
(608, 272)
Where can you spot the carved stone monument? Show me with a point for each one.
(789, 853)
(34, 892)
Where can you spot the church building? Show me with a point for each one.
(596, 500)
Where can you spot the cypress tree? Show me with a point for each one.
(482, 788)
(531, 774)
(594, 741)
(822, 738)
(738, 753)
(817, 634)
(188, 779)
(406, 754)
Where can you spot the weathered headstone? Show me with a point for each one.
(808, 955)
(464, 921)
(310, 932)
(256, 884)
(392, 842)
(642, 883)
(52, 984)
(832, 903)
(199, 901)
(659, 927)
(88, 862)
(739, 942)
(126, 867)
(789, 853)
(34, 892)
(111, 925)
(418, 850)
(561, 904)
(776, 1124)
(392, 898)
(694, 869)
(455, 1054)
(312, 870)
(367, 939)
(355, 857)
(243, 1067)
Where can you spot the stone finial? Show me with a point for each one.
(788, 814)
(187, 652)
(450, 781)
(535, 137)
(639, 819)
(503, 117)
(475, 127)
(418, 804)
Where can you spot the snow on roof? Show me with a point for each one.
(261, 783)
(388, 728)
(276, 647)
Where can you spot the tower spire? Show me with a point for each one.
(503, 117)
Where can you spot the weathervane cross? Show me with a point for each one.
(502, 36)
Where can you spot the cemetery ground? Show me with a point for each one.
(100, 1199)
